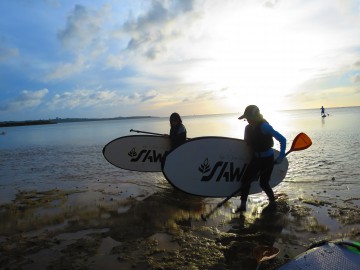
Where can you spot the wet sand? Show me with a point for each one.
(126, 227)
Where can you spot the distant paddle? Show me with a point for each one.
(301, 142)
(264, 253)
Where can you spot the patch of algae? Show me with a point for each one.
(26, 199)
(77, 255)
(346, 215)
(27, 211)
(192, 252)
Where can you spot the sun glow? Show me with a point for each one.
(261, 63)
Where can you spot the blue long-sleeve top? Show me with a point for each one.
(266, 128)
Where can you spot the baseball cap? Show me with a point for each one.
(251, 112)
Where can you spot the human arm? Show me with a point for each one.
(268, 129)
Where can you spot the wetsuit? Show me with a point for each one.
(260, 139)
(177, 135)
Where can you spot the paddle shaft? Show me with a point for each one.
(152, 133)
(145, 132)
(204, 217)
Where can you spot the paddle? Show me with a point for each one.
(301, 142)
(146, 132)
(264, 253)
(152, 133)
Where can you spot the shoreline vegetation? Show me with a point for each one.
(64, 120)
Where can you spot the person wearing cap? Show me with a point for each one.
(177, 131)
(259, 136)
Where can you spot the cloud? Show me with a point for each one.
(271, 3)
(149, 34)
(26, 100)
(82, 29)
(83, 98)
(65, 70)
(84, 36)
(160, 13)
(332, 96)
(95, 33)
(147, 96)
(356, 78)
(203, 96)
(142, 97)
(6, 52)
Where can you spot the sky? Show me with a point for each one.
(110, 58)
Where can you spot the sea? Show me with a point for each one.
(69, 155)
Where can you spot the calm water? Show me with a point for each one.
(69, 155)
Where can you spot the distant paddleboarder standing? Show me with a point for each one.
(323, 114)
(259, 136)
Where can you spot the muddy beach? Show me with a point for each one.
(127, 228)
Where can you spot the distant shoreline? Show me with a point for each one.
(68, 120)
(63, 120)
(26, 123)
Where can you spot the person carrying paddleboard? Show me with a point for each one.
(259, 136)
(177, 131)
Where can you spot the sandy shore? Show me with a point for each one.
(131, 229)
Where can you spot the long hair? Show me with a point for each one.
(175, 117)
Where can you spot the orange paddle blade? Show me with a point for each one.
(301, 142)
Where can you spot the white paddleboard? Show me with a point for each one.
(330, 256)
(213, 167)
(141, 153)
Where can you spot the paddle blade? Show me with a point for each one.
(301, 142)
(264, 253)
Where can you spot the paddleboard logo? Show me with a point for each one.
(132, 153)
(144, 155)
(222, 170)
(205, 167)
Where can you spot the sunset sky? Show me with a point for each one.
(108, 58)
